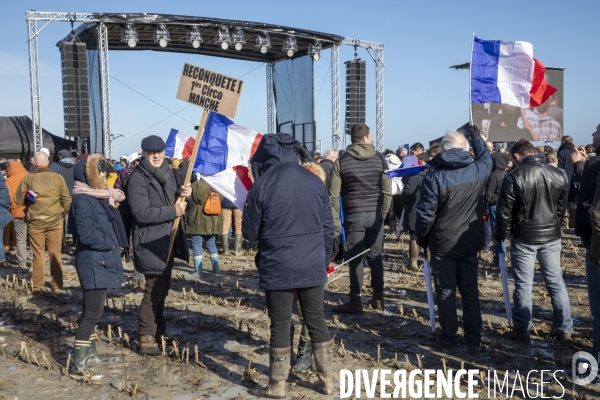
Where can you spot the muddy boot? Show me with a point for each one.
(148, 346)
(413, 254)
(214, 260)
(238, 244)
(377, 301)
(94, 357)
(354, 306)
(225, 244)
(78, 366)
(323, 353)
(304, 356)
(279, 370)
(198, 266)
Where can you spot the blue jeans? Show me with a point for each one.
(592, 270)
(488, 232)
(209, 240)
(448, 273)
(2, 254)
(523, 257)
(492, 214)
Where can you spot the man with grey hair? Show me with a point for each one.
(47, 200)
(450, 223)
(327, 164)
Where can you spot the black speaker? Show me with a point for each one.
(76, 101)
(356, 93)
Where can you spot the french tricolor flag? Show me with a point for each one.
(223, 155)
(179, 145)
(507, 73)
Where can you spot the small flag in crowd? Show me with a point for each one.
(410, 166)
(507, 73)
(225, 149)
(179, 145)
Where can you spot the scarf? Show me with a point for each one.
(164, 176)
(107, 198)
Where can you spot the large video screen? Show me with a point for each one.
(506, 123)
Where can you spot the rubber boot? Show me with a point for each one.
(148, 346)
(413, 254)
(377, 301)
(78, 366)
(94, 357)
(198, 266)
(225, 243)
(323, 353)
(238, 244)
(279, 370)
(214, 260)
(304, 356)
(353, 306)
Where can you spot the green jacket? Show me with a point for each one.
(199, 223)
(53, 201)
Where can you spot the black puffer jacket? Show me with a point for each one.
(587, 188)
(532, 199)
(152, 222)
(500, 162)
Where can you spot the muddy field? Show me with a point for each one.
(218, 327)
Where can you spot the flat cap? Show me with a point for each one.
(64, 153)
(153, 143)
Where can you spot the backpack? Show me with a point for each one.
(213, 204)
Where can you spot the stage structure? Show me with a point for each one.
(242, 40)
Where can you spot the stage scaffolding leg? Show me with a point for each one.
(34, 79)
(335, 97)
(104, 90)
(379, 98)
(270, 99)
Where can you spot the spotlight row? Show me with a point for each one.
(224, 39)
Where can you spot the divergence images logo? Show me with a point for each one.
(584, 368)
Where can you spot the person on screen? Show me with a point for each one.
(555, 111)
(545, 128)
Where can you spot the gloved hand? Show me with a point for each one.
(474, 132)
(423, 241)
(595, 247)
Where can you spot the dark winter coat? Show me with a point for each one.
(5, 216)
(564, 160)
(288, 211)
(67, 170)
(533, 200)
(327, 166)
(585, 203)
(152, 222)
(575, 181)
(97, 255)
(500, 162)
(410, 196)
(450, 211)
(226, 203)
(54, 167)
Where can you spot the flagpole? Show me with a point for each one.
(188, 176)
(471, 69)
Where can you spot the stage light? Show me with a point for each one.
(129, 36)
(290, 46)
(194, 37)
(263, 42)
(162, 37)
(314, 49)
(223, 37)
(238, 38)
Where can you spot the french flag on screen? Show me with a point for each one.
(179, 145)
(507, 73)
(223, 155)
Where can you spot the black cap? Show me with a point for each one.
(64, 153)
(153, 143)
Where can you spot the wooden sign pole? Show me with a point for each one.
(188, 176)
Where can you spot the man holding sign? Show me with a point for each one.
(152, 191)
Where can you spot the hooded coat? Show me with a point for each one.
(450, 211)
(288, 211)
(152, 222)
(500, 162)
(67, 166)
(15, 173)
(97, 255)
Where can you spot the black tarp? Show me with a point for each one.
(16, 140)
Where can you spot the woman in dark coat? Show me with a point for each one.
(100, 235)
(289, 212)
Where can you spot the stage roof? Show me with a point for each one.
(178, 26)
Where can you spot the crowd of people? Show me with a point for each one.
(304, 211)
